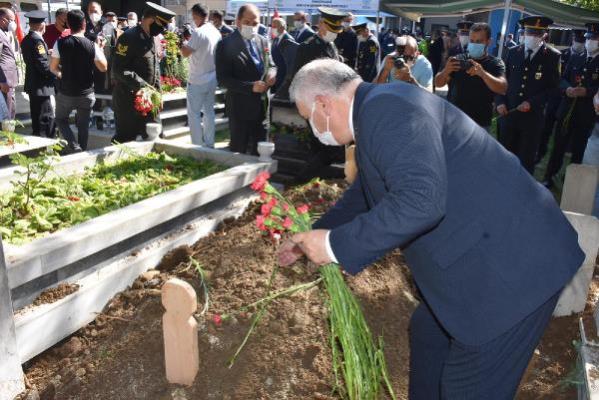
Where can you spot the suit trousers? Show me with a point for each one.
(245, 135)
(520, 134)
(573, 136)
(11, 103)
(42, 116)
(443, 368)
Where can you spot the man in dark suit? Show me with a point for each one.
(532, 72)
(39, 80)
(302, 31)
(244, 68)
(283, 50)
(576, 114)
(216, 17)
(489, 249)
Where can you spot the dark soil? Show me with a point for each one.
(120, 355)
(56, 293)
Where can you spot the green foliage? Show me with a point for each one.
(39, 204)
(589, 4)
(10, 139)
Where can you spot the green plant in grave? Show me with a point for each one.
(41, 202)
(10, 139)
(34, 171)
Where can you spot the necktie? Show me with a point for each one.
(529, 56)
(256, 57)
(589, 59)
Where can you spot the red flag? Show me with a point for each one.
(19, 31)
(276, 14)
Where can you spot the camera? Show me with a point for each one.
(464, 60)
(399, 62)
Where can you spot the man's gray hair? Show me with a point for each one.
(323, 77)
(411, 41)
(132, 14)
(281, 22)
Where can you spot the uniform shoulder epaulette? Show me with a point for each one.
(310, 39)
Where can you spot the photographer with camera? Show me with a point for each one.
(474, 78)
(407, 64)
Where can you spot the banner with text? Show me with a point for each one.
(356, 6)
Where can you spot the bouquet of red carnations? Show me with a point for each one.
(148, 101)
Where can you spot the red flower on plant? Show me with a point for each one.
(287, 223)
(217, 319)
(261, 181)
(285, 207)
(303, 208)
(266, 209)
(263, 196)
(74, 198)
(260, 220)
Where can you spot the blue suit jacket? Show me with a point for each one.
(486, 244)
(283, 54)
(306, 34)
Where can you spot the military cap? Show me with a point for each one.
(121, 19)
(592, 29)
(535, 23)
(36, 16)
(464, 25)
(332, 18)
(110, 14)
(163, 15)
(360, 27)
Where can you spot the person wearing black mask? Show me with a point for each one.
(136, 65)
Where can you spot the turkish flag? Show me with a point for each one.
(19, 31)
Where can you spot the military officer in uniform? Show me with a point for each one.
(136, 65)
(320, 45)
(533, 74)
(369, 53)
(576, 114)
(577, 48)
(464, 34)
(39, 80)
(347, 42)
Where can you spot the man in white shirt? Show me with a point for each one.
(202, 77)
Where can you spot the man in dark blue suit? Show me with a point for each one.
(283, 50)
(302, 31)
(489, 249)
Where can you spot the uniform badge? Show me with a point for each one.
(373, 49)
(41, 49)
(595, 76)
(538, 76)
(121, 50)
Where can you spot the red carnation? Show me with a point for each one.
(261, 181)
(287, 223)
(260, 219)
(217, 319)
(303, 209)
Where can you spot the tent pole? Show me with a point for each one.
(49, 13)
(506, 18)
(378, 20)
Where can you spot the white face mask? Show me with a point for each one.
(532, 42)
(132, 23)
(325, 137)
(578, 47)
(298, 24)
(330, 37)
(248, 31)
(464, 40)
(592, 46)
(12, 26)
(362, 39)
(95, 17)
